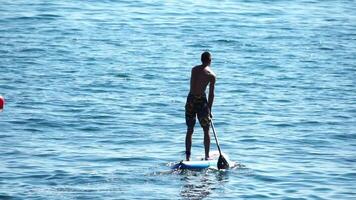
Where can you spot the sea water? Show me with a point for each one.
(95, 93)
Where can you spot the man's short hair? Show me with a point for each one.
(205, 57)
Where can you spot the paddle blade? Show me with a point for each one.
(222, 163)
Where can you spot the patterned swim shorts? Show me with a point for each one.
(197, 105)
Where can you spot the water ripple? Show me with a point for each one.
(95, 94)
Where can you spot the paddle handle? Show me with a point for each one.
(215, 136)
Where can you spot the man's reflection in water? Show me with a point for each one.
(200, 184)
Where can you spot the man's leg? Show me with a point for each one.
(188, 142)
(206, 141)
(190, 118)
(204, 120)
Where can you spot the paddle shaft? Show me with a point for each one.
(215, 136)
(222, 162)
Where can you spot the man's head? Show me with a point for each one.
(206, 58)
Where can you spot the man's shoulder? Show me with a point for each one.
(211, 72)
(196, 67)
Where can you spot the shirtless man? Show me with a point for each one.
(197, 104)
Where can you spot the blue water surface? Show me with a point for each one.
(95, 94)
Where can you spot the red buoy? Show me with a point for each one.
(2, 103)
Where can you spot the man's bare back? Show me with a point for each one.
(201, 77)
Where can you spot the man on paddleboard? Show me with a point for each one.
(197, 104)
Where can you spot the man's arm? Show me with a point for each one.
(192, 80)
(211, 91)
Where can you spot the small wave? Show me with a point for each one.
(48, 16)
(250, 140)
(269, 179)
(149, 76)
(13, 152)
(115, 159)
(5, 136)
(281, 125)
(37, 176)
(345, 136)
(326, 48)
(6, 197)
(34, 18)
(122, 75)
(226, 41)
(28, 50)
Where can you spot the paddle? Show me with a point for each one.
(222, 162)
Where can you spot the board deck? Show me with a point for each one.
(200, 163)
(204, 164)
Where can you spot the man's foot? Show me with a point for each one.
(187, 155)
(208, 158)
